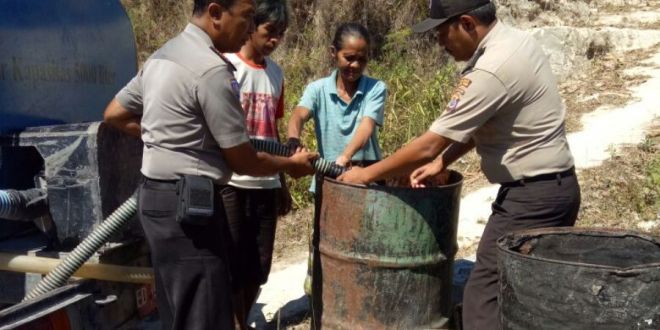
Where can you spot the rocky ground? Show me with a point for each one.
(606, 54)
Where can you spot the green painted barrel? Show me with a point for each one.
(383, 256)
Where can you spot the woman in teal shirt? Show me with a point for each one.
(347, 106)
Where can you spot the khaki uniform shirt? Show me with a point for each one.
(189, 102)
(508, 103)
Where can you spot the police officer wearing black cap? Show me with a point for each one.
(507, 106)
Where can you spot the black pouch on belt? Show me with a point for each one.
(195, 200)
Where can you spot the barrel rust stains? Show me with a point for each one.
(342, 210)
(385, 256)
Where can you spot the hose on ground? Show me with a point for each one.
(74, 260)
(321, 165)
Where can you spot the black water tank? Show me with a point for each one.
(576, 278)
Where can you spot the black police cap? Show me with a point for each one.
(442, 10)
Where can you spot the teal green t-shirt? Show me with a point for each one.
(335, 121)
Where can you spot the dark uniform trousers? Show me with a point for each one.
(252, 221)
(190, 262)
(550, 200)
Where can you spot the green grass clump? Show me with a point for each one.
(647, 199)
(155, 22)
(413, 102)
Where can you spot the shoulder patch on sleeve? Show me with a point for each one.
(457, 94)
(465, 83)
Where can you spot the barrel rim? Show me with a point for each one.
(450, 186)
(611, 232)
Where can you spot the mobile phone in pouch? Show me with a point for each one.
(195, 200)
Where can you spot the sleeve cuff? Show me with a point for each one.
(126, 102)
(227, 141)
(306, 106)
(453, 135)
(378, 121)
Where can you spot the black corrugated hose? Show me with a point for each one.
(92, 243)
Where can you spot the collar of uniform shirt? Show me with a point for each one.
(481, 48)
(231, 66)
(473, 61)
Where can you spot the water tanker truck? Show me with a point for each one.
(66, 179)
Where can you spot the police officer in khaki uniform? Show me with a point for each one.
(184, 104)
(507, 105)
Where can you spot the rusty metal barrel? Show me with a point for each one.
(383, 256)
(577, 278)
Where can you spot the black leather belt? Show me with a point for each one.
(150, 180)
(145, 179)
(541, 177)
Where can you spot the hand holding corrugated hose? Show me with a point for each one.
(321, 165)
(74, 260)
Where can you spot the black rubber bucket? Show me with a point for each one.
(573, 278)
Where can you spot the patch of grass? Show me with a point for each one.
(292, 235)
(155, 22)
(415, 99)
(625, 191)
